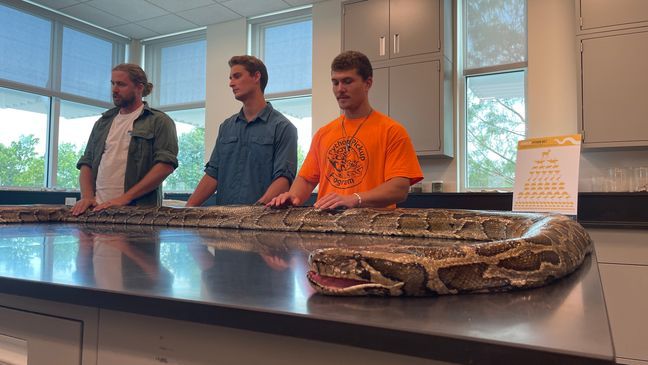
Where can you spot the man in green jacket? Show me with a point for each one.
(131, 150)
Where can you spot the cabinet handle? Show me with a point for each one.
(381, 45)
(396, 43)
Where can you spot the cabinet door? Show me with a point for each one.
(626, 297)
(379, 92)
(415, 27)
(40, 338)
(614, 91)
(606, 13)
(414, 101)
(366, 28)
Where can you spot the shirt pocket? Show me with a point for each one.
(262, 146)
(261, 152)
(142, 146)
(229, 147)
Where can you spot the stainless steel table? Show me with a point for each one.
(256, 281)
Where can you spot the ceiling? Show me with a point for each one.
(140, 19)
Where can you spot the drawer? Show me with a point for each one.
(44, 339)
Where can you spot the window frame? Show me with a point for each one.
(151, 56)
(463, 74)
(151, 59)
(256, 41)
(256, 47)
(53, 91)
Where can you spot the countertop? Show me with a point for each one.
(257, 281)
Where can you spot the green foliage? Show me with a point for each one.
(67, 175)
(495, 121)
(301, 155)
(493, 128)
(191, 162)
(20, 164)
(18, 254)
(495, 32)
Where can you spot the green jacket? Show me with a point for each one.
(153, 140)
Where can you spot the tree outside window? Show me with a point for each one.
(494, 69)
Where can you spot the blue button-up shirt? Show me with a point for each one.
(249, 156)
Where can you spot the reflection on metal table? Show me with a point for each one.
(257, 281)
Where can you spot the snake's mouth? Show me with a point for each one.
(346, 286)
(333, 282)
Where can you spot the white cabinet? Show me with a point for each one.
(40, 339)
(417, 95)
(46, 333)
(408, 42)
(384, 29)
(612, 36)
(602, 15)
(142, 340)
(379, 92)
(614, 90)
(623, 263)
(372, 17)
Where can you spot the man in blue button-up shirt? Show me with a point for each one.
(255, 158)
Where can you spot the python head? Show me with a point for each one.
(340, 271)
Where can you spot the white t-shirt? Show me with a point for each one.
(112, 168)
(107, 262)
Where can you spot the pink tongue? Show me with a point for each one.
(329, 281)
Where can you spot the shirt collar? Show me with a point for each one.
(263, 115)
(115, 110)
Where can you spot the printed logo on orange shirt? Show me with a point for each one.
(348, 163)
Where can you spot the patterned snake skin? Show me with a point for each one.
(457, 251)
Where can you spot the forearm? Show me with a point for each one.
(86, 183)
(150, 181)
(299, 193)
(302, 189)
(390, 192)
(206, 187)
(280, 185)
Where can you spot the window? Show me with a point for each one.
(24, 47)
(23, 141)
(75, 124)
(49, 100)
(495, 76)
(284, 42)
(190, 125)
(86, 65)
(177, 68)
(298, 111)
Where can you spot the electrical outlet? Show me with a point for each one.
(70, 201)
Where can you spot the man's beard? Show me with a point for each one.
(123, 102)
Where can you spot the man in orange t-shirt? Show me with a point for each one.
(361, 159)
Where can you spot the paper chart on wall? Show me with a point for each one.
(546, 175)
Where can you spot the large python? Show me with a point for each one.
(457, 251)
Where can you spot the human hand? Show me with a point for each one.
(333, 200)
(82, 205)
(275, 262)
(284, 200)
(117, 202)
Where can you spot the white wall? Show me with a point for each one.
(552, 68)
(327, 43)
(224, 40)
(135, 52)
(551, 87)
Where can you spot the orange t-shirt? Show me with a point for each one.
(380, 150)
